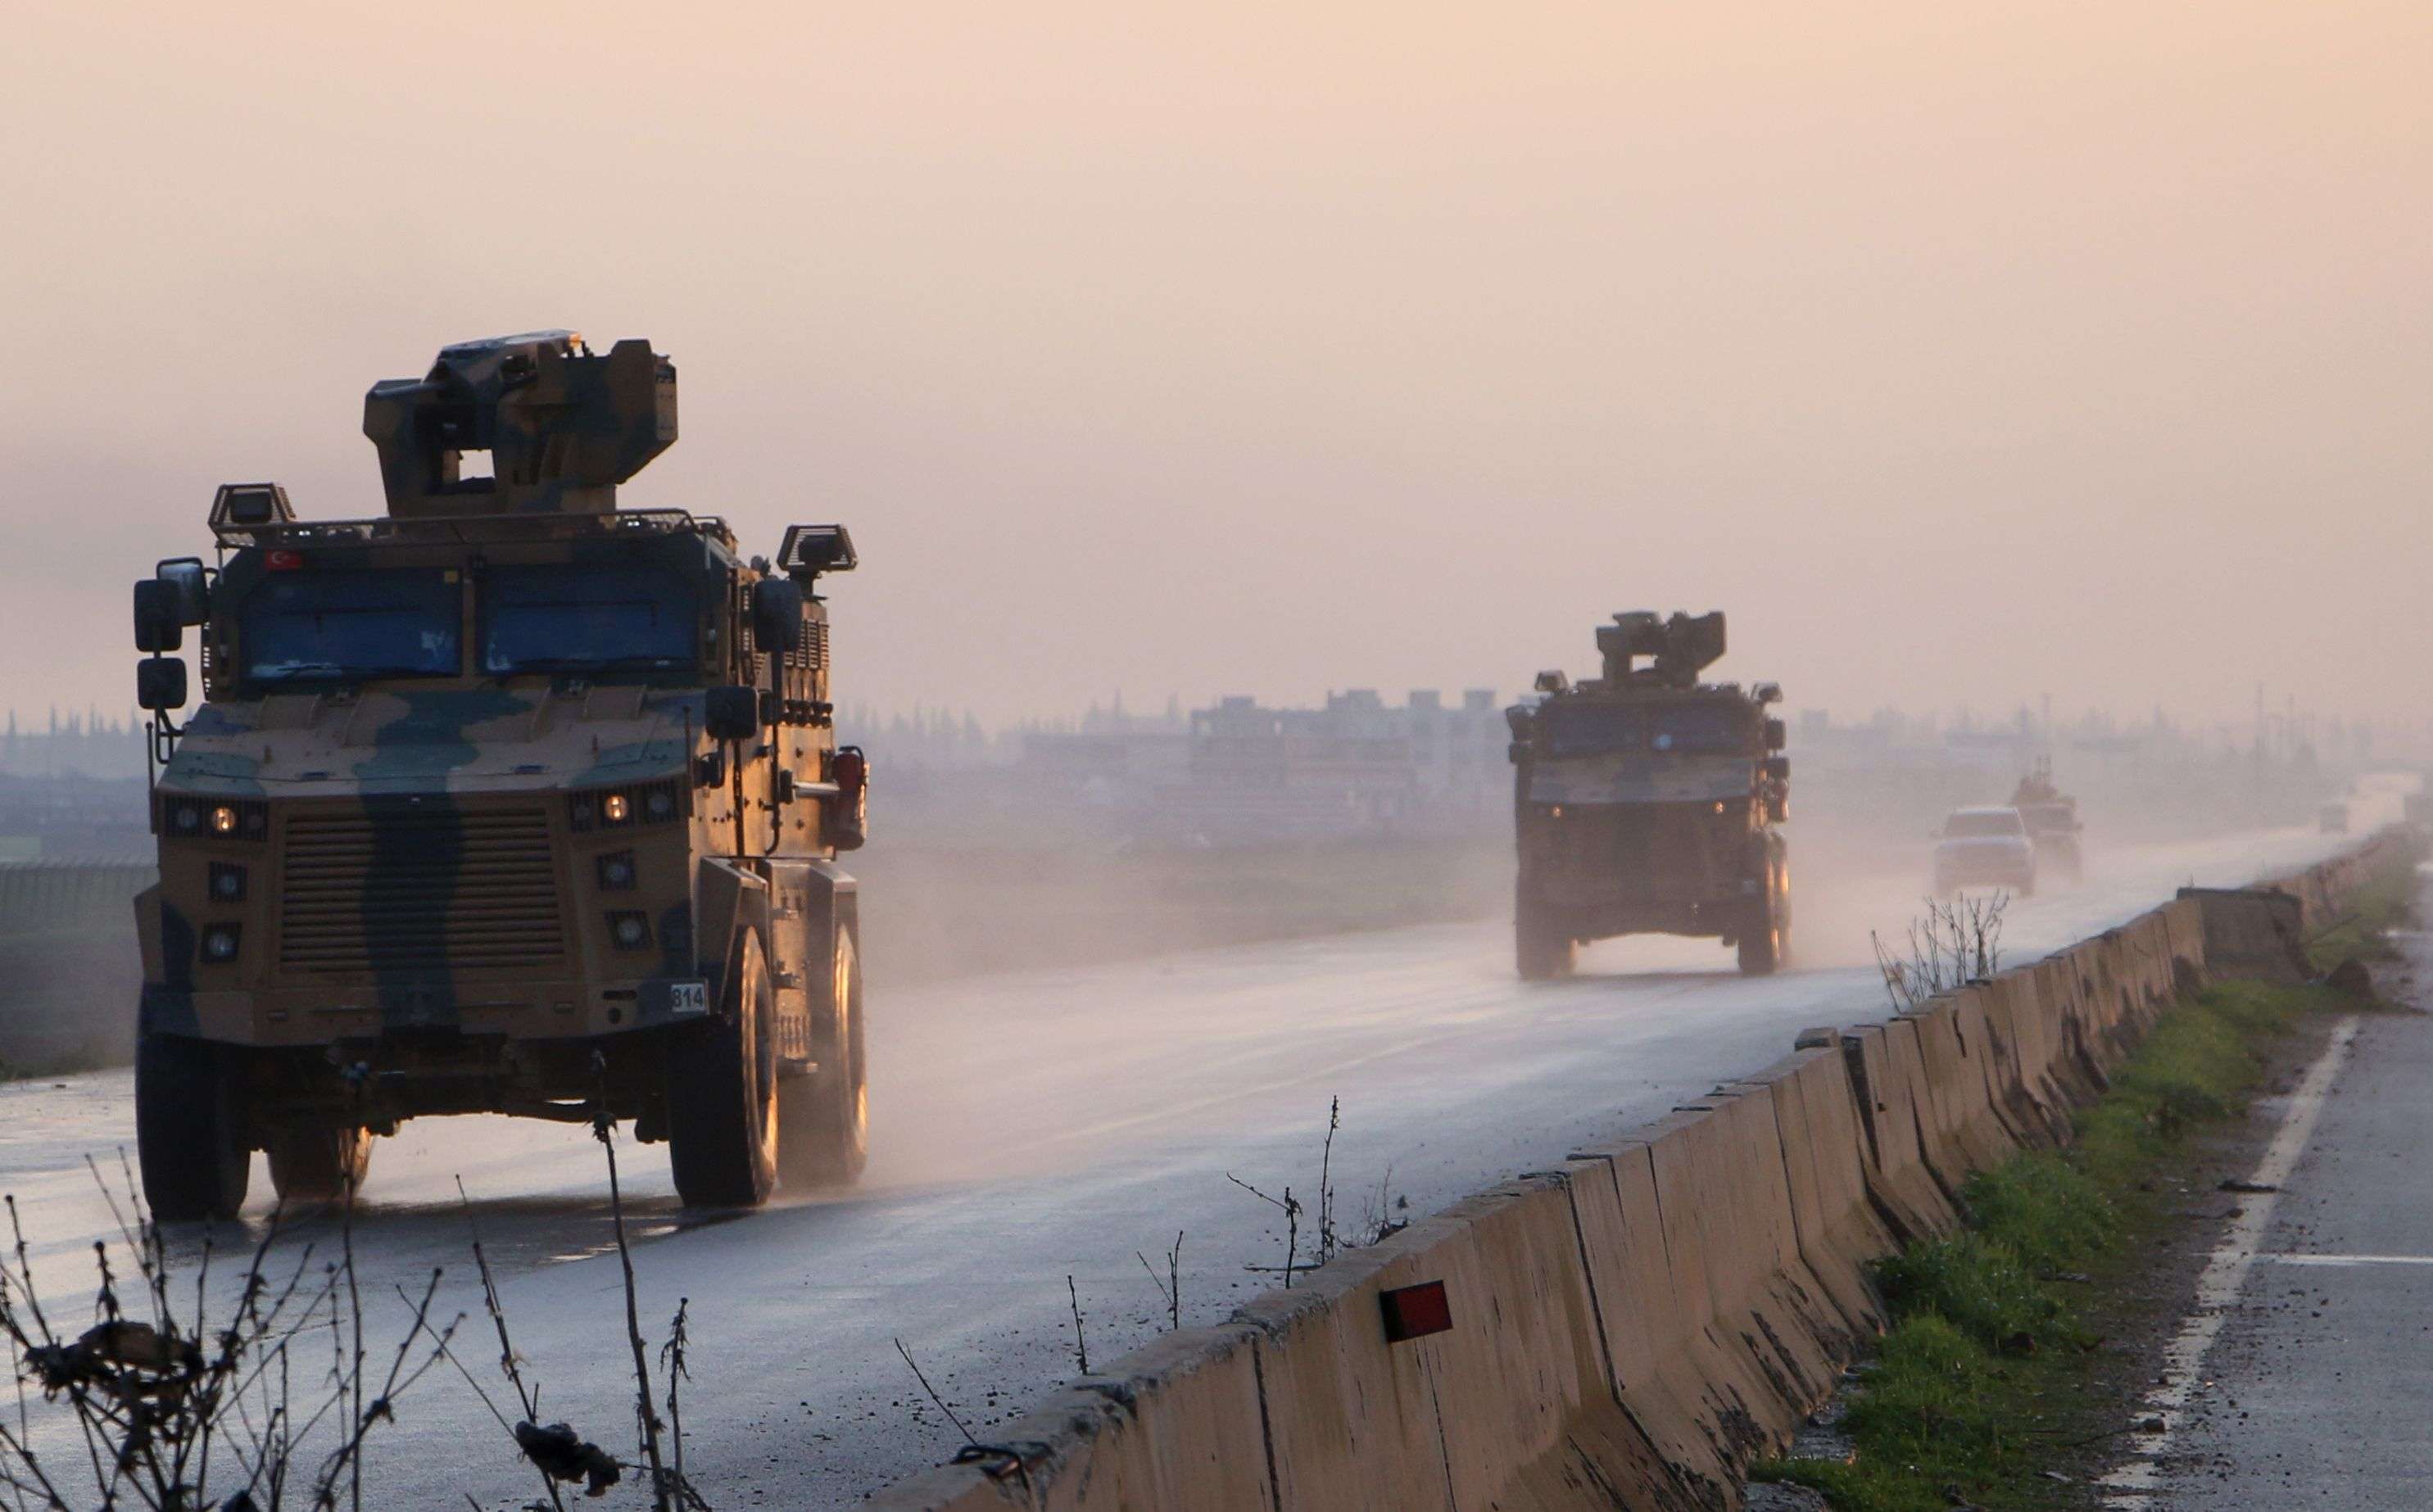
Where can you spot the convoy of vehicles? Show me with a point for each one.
(1646, 801)
(509, 801)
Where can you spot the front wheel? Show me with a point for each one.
(824, 1119)
(722, 1085)
(324, 1165)
(1761, 944)
(188, 1138)
(1542, 951)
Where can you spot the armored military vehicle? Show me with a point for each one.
(1646, 801)
(2052, 821)
(509, 801)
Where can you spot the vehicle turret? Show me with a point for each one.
(562, 426)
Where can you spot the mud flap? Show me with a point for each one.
(730, 898)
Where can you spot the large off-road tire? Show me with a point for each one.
(318, 1165)
(189, 1135)
(824, 1119)
(1761, 944)
(1542, 951)
(721, 1082)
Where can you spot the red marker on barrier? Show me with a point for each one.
(1415, 1312)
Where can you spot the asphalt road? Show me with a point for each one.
(2318, 1389)
(1032, 1127)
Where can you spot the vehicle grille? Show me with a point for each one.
(416, 891)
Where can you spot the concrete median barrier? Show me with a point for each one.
(1837, 1229)
(1901, 1185)
(1629, 1330)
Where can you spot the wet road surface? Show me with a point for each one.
(1032, 1127)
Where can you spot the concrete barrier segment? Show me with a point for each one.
(1824, 1163)
(2035, 1106)
(1954, 1088)
(1658, 1373)
(1899, 1182)
(1489, 1413)
(2253, 932)
(1727, 1209)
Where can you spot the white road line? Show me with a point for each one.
(2349, 1260)
(2132, 1482)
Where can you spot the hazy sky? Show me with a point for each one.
(1962, 351)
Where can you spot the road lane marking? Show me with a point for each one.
(2348, 1260)
(2133, 1483)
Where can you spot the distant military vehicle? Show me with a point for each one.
(1646, 801)
(2052, 821)
(510, 801)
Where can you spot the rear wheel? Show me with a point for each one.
(188, 1137)
(824, 1119)
(319, 1164)
(722, 1083)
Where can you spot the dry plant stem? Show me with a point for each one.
(1291, 1210)
(672, 1359)
(527, 1398)
(1081, 1344)
(604, 1129)
(1326, 1182)
(1170, 1287)
(932, 1392)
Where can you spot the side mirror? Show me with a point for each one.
(1776, 735)
(1777, 769)
(161, 685)
(776, 615)
(160, 622)
(848, 821)
(188, 576)
(731, 712)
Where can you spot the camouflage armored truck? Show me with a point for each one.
(510, 801)
(2051, 817)
(1646, 801)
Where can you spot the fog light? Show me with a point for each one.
(227, 882)
(628, 931)
(616, 871)
(219, 942)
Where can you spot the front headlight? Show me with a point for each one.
(642, 802)
(238, 818)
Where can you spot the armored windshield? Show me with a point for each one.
(1594, 729)
(340, 626)
(588, 619)
(1631, 729)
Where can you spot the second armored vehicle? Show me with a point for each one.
(1648, 801)
(2053, 824)
(508, 801)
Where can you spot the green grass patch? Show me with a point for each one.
(1986, 1376)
